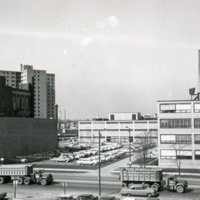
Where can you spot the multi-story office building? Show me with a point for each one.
(41, 86)
(119, 130)
(179, 133)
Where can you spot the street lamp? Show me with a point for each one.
(129, 131)
(100, 162)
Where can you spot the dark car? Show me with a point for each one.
(64, 197)
(86, 197)
(3, 195)
(108, 198)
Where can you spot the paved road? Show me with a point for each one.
(50, 192)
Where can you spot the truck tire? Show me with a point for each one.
(180, 189)
(27, 181)
(20, 181)
(1, 180)
(155, 186)
(146, 185)
(43, 181)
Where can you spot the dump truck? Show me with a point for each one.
(151, 178)
(24, 174)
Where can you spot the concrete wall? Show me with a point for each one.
(25, 136)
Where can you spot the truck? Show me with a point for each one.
(24, 174)
(151, 178)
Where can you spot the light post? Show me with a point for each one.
(129, 138)
(100, 162)
(15, 181)
(2, 143)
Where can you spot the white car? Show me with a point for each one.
(87, 161)
(60, 159)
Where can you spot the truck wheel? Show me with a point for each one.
(27, 181)
(180, 189)
(1, 180)
(20, 181)
(149, 195)
(155, 186)
(146, 185)
(43, 182)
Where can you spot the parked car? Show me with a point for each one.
(138, 190)
(64, 197)
(3, 195)
(108, 198)
(87, 161)
(86, 197)
(60, 159)
(140, 198)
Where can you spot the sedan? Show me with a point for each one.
(87, 161)
(138, 190)
(3, 195)
(108, 198)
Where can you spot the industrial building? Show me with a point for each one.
(25, 136)
(179, 133)
(118, 129)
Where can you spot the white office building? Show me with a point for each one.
(179, 133)
(119, 130)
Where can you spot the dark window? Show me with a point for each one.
(112, 117)
(133, 116)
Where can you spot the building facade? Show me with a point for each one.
(14, 102)
(41, 86)
(179, 133)
(117, 131)
(13, 78)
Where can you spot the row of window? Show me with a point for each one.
(179, 138)
(179, 123)
(179, 154)
(179, 108)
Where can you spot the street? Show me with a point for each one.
(49, 192)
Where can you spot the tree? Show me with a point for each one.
(146, 143)
(179, 153)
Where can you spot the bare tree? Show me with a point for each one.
(146, 144)
(178, 148)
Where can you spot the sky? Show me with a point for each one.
(107, 55)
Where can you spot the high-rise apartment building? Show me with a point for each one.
(41, 85)
(13, 78)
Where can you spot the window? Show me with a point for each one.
(108, 139)
(197, 138)
(184, 154)
(112, 117)
(175, 123)
(197, 123)
(167, 154)
(175, 108)
(197, 154)
(176, 139)
(197, 107)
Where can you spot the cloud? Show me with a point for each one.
(111, 21)
(86, 40)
